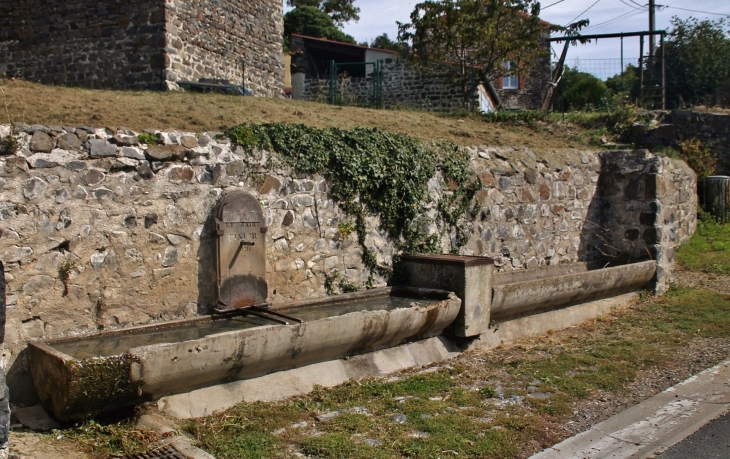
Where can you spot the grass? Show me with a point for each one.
(455, 406)
(103, 439)
(52, 105)
(709, 249)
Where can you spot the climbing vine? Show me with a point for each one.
(371, 171)
(462, 186)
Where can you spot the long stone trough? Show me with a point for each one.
(519, 293)
(490, 297)
(246, 337)
(79, 377)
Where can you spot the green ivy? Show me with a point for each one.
(370, 171)
(461, 186)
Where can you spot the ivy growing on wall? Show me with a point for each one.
(371, 171)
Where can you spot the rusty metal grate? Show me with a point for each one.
(166, 452)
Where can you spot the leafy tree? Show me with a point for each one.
(308, 20)
(628, 85)
(384, 42)
(341, 11)
(477, 36)
(581, 91)
(697, 61)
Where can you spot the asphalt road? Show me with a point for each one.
(710, 442)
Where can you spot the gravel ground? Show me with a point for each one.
(705, 281)
(700, 355)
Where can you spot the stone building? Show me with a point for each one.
(403, 85)
(142, 44)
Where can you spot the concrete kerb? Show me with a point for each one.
(539, 324)
(654, 425)
(284, 384)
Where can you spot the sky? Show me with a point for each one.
(606, 16)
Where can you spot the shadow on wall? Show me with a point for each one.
(207, 278)
(621, 218)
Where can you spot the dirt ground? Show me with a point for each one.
(34, 103)
(30, 445)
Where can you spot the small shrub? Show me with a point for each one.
(347, 287)
(9, 145)
(345, 229)
(698, 157)
(330, 283)
(148, 139)
(244, 136)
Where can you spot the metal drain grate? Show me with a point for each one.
(166, 452)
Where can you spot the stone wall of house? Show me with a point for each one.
(140, 44)
(712, 129)
(111, 43)
(101, 232)
(239, 40)
(530, 95)
(407, 86)
(403, 87)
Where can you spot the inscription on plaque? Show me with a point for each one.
(240, 252)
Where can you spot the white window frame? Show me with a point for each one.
(509, 80)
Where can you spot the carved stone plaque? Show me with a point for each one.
(240, 251)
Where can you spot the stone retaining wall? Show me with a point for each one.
(99, 231)
(712, 129)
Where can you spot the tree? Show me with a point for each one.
(625, 83)
(308, 20)
(384, 42)
(341, 11)
(477, 36)
(581, 91)
(697, 61)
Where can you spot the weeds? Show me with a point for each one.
(148, 138)
(8, 145)
(698, 157)
(104, 440)
(64, 273)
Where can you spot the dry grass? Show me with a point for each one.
(38, 104)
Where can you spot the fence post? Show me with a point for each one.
(333, 81)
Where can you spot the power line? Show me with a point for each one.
(640, 6)
(619, 18)
(584, 12)
(697, 11)
(553, 4)
(631, 6)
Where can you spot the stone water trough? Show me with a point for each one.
(490, 297)
(245, 337)
(79, 377)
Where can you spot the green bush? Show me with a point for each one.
(8, 145)
(148, 139)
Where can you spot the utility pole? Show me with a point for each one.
(652, 26)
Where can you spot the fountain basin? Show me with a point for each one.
(522, 292)
(78, 377)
